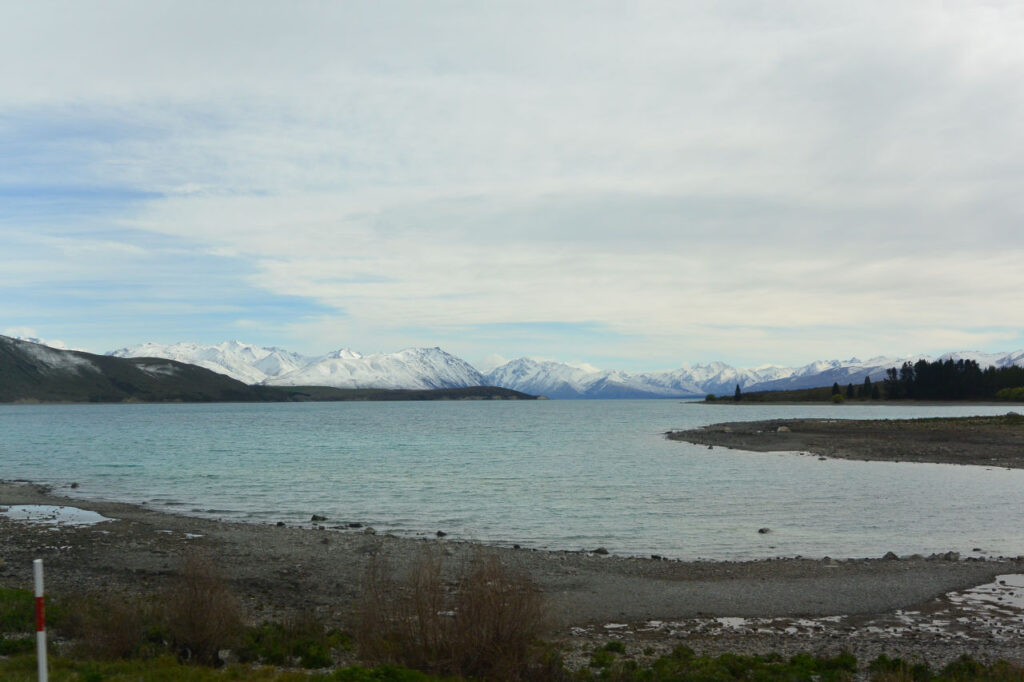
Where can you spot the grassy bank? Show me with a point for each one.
(414, 628)
(682, 665)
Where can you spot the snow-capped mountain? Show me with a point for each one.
(242, 361)
(415, 368)
(854, 371)
(988, 359)
(419, 368)
(545, 377)
(558, 380)
(427, 368)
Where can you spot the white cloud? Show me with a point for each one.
(29, 334)
(490, 362)
(668, 172)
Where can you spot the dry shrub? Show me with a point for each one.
(403, 622)
(499, 615)
(485, 627)
(203, 615)
(111, 626)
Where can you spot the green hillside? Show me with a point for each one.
(30, 372)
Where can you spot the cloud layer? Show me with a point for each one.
(589, 181)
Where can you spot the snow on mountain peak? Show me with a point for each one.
(585, 366)
(491, 362)
(344, 354)
(419, 368)
(242, 361)
(344, 368)
(52, 359)
(561, 380)
(52, 343)
(427, 368)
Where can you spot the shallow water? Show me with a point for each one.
(554, 474)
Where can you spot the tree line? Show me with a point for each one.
(922, 380)
(951, 380)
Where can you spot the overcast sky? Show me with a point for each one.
(634, 185)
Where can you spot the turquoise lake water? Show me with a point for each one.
(550, 474)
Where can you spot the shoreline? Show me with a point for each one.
(977, 441)
(282, 571)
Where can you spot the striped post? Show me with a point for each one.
(37, 570)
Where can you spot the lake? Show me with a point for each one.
(545, 474)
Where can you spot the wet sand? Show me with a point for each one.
(279, 571)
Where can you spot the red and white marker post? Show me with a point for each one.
(37, 570)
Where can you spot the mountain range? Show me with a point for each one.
(413, 368)
(433, 368)
(33, 372)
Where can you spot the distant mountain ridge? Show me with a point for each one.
(32, 372)
(433, 368)
(854, 371)
(412, 368)
(245, 362)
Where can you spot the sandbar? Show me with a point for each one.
(981, 441)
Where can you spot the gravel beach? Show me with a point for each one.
(797, 604)
(982, 441)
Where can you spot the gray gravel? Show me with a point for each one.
(980, 441)
(281, 570)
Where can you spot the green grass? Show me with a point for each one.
(682, 665)
(168, 669)
(17, 610)
(17, 621)
(307, 644)
(272, 652)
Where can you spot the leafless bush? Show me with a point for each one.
(391, 628)
(111, 626)
(498, 617)
(483, 626)
(203, 615)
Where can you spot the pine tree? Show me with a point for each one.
(737, 395)
(892, 384)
